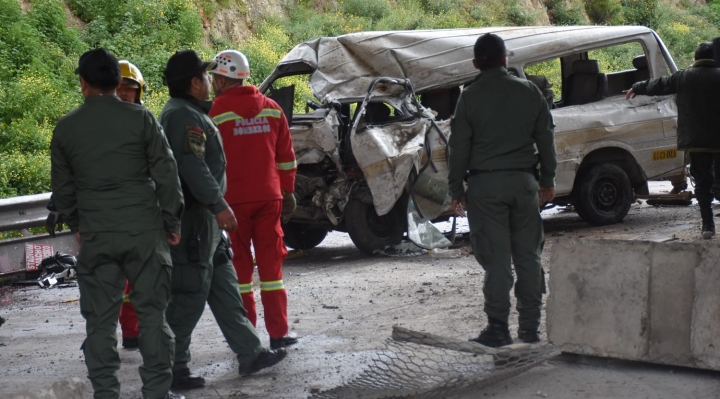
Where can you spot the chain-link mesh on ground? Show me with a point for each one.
(419, 365)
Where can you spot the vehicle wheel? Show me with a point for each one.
(370, 232)
(303, 236)
(604, 194)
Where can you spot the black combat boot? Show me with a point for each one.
(266, 358)
(529, 336)
(130, 343)
(708, 223)
(184, 379)
(495, 335)
(290, 339)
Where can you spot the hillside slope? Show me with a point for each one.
(41, 40)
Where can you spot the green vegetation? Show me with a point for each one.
(605, 12)
(683, 28)
(564, 12)
(640, 12)
(144, 32)
(38, 51)
(37, 86)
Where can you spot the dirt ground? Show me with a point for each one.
(343, 305)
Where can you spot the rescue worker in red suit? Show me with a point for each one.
(131, 90)
(261, 170)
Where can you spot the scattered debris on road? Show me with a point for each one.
(55, 271)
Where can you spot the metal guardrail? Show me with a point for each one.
(23, 212)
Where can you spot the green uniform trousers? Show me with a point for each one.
(105, 261)
(214, 282)
(505, 224)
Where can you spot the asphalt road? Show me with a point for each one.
(343, 305)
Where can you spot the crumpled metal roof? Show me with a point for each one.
(346, 65)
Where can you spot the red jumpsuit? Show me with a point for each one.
(128, 318)
(260, 163)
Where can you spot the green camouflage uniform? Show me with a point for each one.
(200, 273)
(497, 124)
(115, 182)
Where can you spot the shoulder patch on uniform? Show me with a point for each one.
(195, 140)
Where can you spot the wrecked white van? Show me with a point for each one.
(372, 146)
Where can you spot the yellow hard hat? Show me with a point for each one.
(131, 74)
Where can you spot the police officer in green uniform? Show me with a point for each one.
(115, 182)
(498, 121)
(200, 273)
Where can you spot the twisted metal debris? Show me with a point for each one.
(419, 365)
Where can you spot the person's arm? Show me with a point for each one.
(459, 147)
(285, 157)
(658, 86)
(187, 141)
(164, 172)
(63, 186)
(544, 136)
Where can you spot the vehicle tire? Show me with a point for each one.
(303, 236)
(370, 232)
(604, 194)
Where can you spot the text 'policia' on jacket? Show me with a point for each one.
(698, 101)
(256, 136)
(124, 193)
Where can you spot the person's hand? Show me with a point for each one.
(546, 194)
(78, 238)
(53, 222)
(226, 220)
(629, 94)
(173, 239)
(459, 206)
(289, 204)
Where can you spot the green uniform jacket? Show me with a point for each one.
(498, 121)
(112, 169)
(198, 150)
(698, 101)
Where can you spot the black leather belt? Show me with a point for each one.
(526, 170)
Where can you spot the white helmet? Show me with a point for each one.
(232, 64)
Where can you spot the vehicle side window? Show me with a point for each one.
(622, 64)
(442, 101)
(547, 76)
(302, 94)
(379, 113)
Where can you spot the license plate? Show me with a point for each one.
(662, 155)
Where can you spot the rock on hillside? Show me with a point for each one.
(231, 20)
(539, 7)
(234, 22)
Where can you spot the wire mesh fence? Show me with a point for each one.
(419, 365)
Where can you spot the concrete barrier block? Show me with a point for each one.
(672, 291)
(655, 302)
(598, 304)
(706, 311)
